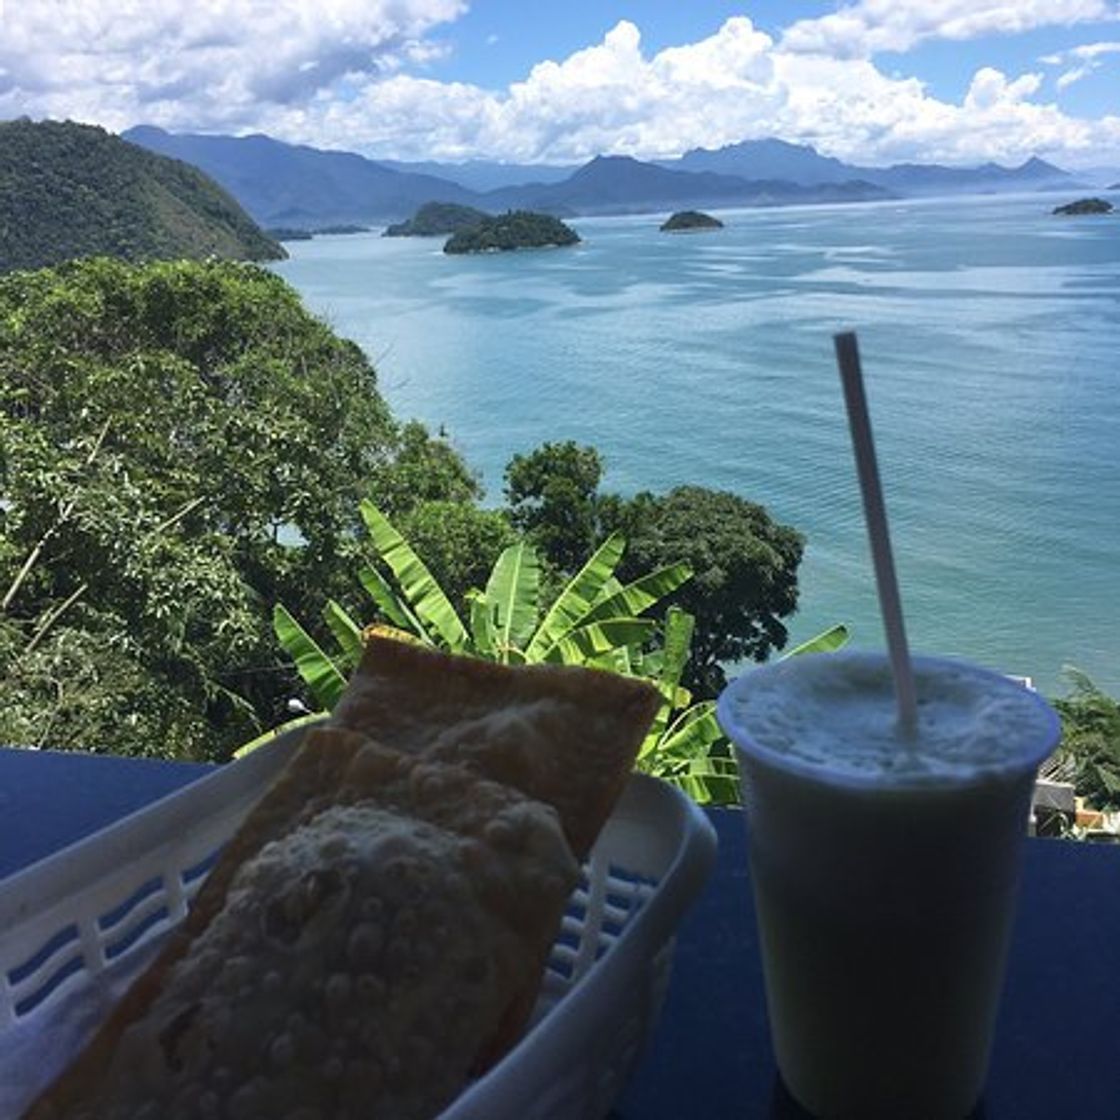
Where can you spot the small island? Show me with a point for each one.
(344, 228)
(437, 219)
(1085, 206)
(517, 229)
(688, 220)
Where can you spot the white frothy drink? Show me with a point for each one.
(885, 870)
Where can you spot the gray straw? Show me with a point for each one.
(874, 511)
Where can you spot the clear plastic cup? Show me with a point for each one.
(885, 872)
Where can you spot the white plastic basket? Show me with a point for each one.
(78, 926)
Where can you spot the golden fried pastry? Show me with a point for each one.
(376, 930)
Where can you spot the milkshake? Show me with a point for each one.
(885, 868)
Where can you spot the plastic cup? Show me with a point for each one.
(885, 871)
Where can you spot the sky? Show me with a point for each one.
(539, 81)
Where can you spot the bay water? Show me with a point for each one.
(990, 335)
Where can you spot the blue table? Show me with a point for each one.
(1057, 1053)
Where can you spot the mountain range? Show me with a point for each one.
(297, 185)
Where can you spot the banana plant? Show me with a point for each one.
(685, 744)
(595, 620)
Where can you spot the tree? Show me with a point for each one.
(745, 571)
(181, 445)
(552, 496)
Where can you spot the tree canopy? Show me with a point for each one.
(745, 563)
(70, 190)
(518, 229)
(181, 446)
(745, 566)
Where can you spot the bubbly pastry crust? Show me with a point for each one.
(377, 928)
(562, 735)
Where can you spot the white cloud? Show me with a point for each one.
(1070, 76)
(344, 74)
(206, 62)
(1087, 58)
(867, 27)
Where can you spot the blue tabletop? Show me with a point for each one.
(1057, 1051)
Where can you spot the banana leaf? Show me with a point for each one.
(388, 601)
(320, 673)
(575, 600)
(835, 637)
(268, 736)
(482, 623)
(592, 641)
(512, 592)
(636, 597)
(346, 632)
(423, 593)
(693, 733)
(677, 643)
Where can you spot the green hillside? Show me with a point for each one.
(71, 190)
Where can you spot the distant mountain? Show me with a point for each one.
(766, 159)
(288, 185)
(926, 179)
(298, 186)
(481, 175)
(622, 185)
(72, 190)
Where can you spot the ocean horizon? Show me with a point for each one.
(989, 330)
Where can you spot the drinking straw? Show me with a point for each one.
(875, 514)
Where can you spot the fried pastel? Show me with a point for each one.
(377, 928)
(563, 735)
(360, 963)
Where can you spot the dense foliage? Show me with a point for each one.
(1089, 755)
(181, 446)
(518, 229)
(70, 190)
(437, 219)
(745, 563)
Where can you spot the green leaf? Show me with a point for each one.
(834, 638)
(482, 623)
(634, 598)
(573, 603)
(693, 733)
(512, 592)
(320, 673)
(594, 639)
(677, 644)
(272, 733)
(388, 601)
(420, 588)
(346, 632)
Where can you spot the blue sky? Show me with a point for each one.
(870, 81)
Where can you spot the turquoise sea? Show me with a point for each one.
(990, 334)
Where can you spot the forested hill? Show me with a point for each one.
(71, 190)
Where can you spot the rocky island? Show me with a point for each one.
(1085, 206)
(517, 229)
(686, 220)
(437, 219)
